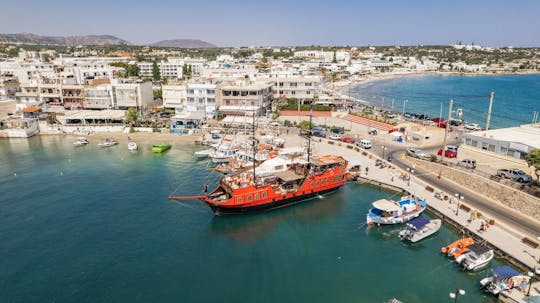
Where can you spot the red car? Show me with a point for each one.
(451, 152)
(441, 123)
(348, 139)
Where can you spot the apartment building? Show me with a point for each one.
(245, 97)
(9, 86)
(314, 54)
(133, 94)
(99, 94)
(201, 98)
(299, 87)
(174, 97)
(73, 96)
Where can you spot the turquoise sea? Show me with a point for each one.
(516, 96)
(94, 225)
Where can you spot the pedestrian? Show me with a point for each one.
(367, 170)
(287, 130)
(392, 177)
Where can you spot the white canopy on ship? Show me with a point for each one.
(386, 205)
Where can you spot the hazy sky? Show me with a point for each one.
(280, 22)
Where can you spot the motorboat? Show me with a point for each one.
(81, 142)
(223, 153)
(456, 248)
(108, 143)
(132, 146)
(476, 258)
(419, 228)
(202, 154)
(391, 212)
(160, 148)
(502, 278)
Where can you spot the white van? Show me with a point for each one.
(364, 143)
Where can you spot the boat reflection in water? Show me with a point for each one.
(249, 229)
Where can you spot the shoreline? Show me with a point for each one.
(389, 76)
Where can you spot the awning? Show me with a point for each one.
(504, 272)
(289, 176)
(386, 205)
(419, 222)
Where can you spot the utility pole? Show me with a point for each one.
(447, 127)
(392, 105)
(489, 109)
(440, 114)
(535, 116)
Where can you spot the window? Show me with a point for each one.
(263, 194)
(239, 200)
(318, 183)
(491, 148)
(253, 93)
(280, 84)
(474, 143)
(504, 151)
(484, 146)
(249, 198)
(257, 196)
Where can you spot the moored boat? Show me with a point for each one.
(108, 143)
(456, 248)
(132, 146)
(391, 212)
(81, 142)
(247, 192)
(202, 154)
(159, 148)
(476, 258)
(502, 278)
(419, 228)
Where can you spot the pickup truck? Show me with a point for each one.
(514, 174)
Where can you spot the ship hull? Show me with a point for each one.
(224, 210)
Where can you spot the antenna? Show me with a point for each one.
(309, 135)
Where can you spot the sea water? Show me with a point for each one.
(84, 224)
(516, 96)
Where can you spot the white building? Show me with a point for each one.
(133, 94)
(314, 54)
(299, 87)
(245, 97)
(174, 97)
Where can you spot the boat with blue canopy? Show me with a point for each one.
(395, 212)
(419, 228)
(502, 278)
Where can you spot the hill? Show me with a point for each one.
(184, 43)
(28, 38)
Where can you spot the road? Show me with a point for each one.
(525, 224)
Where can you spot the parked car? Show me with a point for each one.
(472, 126)
(348, 139)
(337, 130)
(451, 151)
(416, 153)
(456, 122)
(440, 122)
(514, 174)
(335, 137)
(317, 127)
(319, 134)
(372, 131)
(468, 163)
(364, 143)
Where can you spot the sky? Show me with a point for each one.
(283, 23)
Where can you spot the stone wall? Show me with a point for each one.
(508, 196)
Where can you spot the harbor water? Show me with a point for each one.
(516, 96)
(94, 225)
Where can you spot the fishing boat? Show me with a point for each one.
(248, 192)
(108, 143)
(81, 142)
(132, 146)
(159, 148)
(202, 154)
(391, 212)
(419, 228)
(456, 248)
(476, 258)
(224, 152)
(502, 278)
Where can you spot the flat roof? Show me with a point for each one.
(94, 114)
(528, 134)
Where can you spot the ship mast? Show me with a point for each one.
(309, 136)
(254, 151)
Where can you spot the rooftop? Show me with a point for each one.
(528, 134)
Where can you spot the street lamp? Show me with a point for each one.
(459, 199)
(404, 101)
(531, 276)
(458, 292)
(383, 149)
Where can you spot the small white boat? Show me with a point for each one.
(81, 142)
(132, 146)
(108, 143)
(392, 212)
(419, 228)
(502, 278)
(202, 154)
(223, 154)
(476, 258)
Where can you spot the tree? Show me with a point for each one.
(132, 70)
(131, 115)
(156, 74)
(533, 160)
(305, 125)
